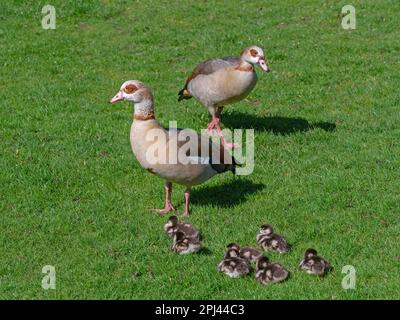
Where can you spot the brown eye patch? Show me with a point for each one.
(130, 88)
(253, 52)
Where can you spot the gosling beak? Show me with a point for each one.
(263, 64)
(118, 97)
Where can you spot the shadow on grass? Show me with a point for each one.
(276, 125)
(227, 195)
(204, 251)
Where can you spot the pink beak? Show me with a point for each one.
(263, 65)
(118, 97)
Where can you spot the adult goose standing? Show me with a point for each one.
(176, 155)
(216, 83)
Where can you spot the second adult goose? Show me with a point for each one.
(219, 82)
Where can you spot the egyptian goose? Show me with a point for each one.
(271, 241)
(232, 265)
(249, 253)
(176, 155)
(314, 264)
(267, 273)
(216, 83)
(183, 244)
(173, 225)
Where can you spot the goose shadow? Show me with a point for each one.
(277, 125)
(226, 195)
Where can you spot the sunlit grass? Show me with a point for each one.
(326, 122)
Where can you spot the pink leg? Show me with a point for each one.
(187, 201)
(221, 135)
(213, 123)
(215, 114)
(168, 206)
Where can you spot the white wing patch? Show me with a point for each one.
(198, 160)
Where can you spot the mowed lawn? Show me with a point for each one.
(327, 152)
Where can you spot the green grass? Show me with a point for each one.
(327, 161)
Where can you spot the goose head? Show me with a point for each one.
(255, 55)
(138, 94)
(131, 90)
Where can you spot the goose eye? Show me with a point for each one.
(130, 88)
(253, 52)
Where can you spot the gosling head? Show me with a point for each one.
(266, 229)
(309, 253)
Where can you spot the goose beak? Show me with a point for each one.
(118, 97)
(263, 64)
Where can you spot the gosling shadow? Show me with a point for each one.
(226, 195)
(275, 124)
(204, 251)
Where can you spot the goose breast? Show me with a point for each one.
(223, 87)
(184, 162)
